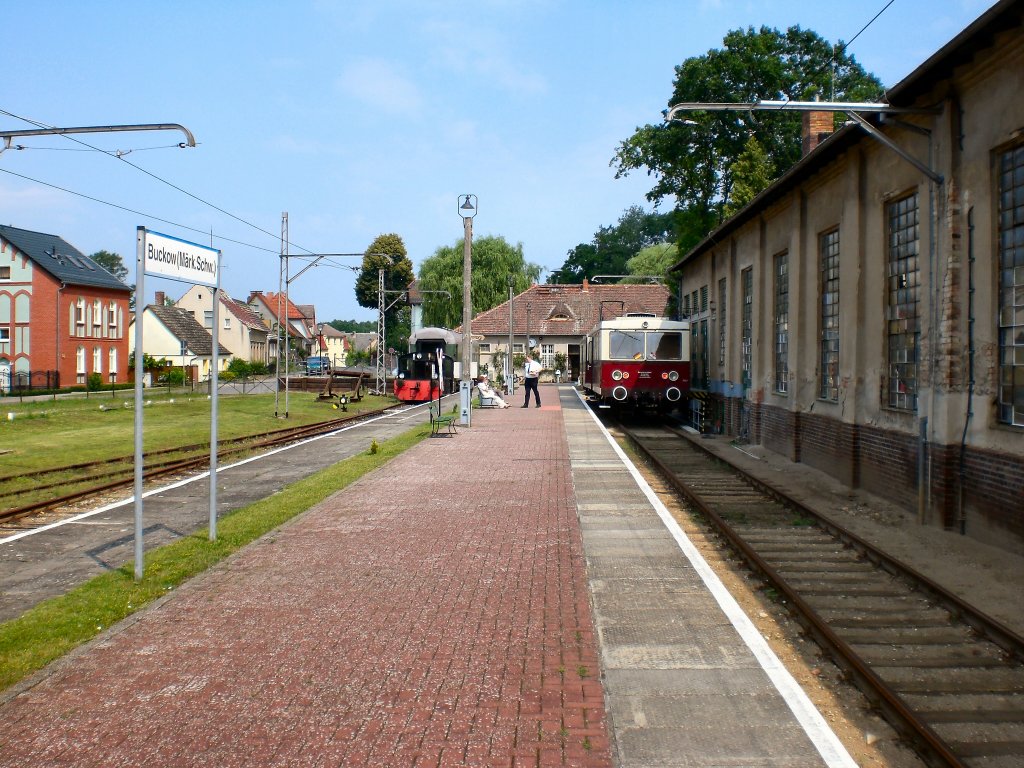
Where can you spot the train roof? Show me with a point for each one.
(654, 322)
(432, 333)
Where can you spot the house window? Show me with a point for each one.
(828, 253)
(112, 363)
(902, 320)
(686, 305)
(721, 324)
(5, 335)
(97, 360)
(208, 319)
(5, 273)
(517, 348)
(1011, 287)
(97, 318)
(80, 365)
(80, 315)
(782, 322)
(746, 339)
(227, 323)
(547, 355)
(703, 299)
(485, 348)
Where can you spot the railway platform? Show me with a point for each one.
(512, 595)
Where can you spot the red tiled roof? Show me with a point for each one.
(570, 310)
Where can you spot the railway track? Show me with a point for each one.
(71, 484)
(949, 678)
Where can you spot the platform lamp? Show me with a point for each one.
(467, 211)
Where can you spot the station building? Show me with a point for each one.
(865, 313)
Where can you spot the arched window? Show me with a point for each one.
(80, 365)
(97, 360)
(112, 364)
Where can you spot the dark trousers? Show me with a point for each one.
(531, 384)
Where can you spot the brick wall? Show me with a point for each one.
(830, 446)
(888, 464)
(780, 431)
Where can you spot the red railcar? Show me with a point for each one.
(638, 362)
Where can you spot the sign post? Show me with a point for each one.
(166, 256)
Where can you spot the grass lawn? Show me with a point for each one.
(47, 434)
(56, 626)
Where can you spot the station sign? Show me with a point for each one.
(177, 259)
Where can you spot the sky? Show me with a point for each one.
(365, 118)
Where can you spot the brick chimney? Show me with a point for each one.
(158, 299)
(817, 126)
(586, 285)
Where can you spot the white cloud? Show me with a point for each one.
(376, 82)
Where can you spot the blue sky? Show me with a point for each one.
(366, 118)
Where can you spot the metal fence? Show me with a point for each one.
(18, 382)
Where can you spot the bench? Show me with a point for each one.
(485, 400)
(439, 420)
(351, 386)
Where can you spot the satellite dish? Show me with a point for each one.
(533, 342)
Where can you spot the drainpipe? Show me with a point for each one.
(961, 511)
(60, 290)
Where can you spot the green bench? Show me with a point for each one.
(439, 421)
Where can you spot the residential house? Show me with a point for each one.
(62, 315)
(335, 345)
(173, 334)
(865, 313)
(273, 308)
(554, 320)
(241, 328)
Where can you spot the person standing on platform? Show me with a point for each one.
(531, 373)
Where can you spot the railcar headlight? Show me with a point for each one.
(673, 375)
(617, 375)
(673, 394)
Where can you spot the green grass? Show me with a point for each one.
(47, 434)
(56, 626)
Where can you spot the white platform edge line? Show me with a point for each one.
(811, 720)
(186, 481)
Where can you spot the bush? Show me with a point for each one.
(93, 382)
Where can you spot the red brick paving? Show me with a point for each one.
(435, 613)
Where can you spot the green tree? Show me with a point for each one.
(112, 262)
(493, 260)
(387, 252)
(753, 172)
(694, 159)
(613, 246)
(653, 260)
(354, 326)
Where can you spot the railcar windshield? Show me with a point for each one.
(626, 345)
(645, 345)
(664, 346)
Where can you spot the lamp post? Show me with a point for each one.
(467, 211)
(510, 386)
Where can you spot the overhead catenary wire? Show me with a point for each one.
(119, 155)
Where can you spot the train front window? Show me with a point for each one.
(664, 346)
(625, 345)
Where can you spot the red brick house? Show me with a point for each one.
(60, 312)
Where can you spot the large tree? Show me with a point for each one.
(113, 263)
(493, 260)
(613, 246)
(693, 159)
(386, 252)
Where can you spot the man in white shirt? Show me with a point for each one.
(531, 372)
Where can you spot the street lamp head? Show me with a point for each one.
(468, 209)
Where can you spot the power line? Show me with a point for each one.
(118, 155)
